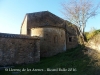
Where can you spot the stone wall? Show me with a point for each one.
(18, 49)
(94, 43)
(24, 26)
(72, 42)
(42, 19)
(52, 40)
(71, 35)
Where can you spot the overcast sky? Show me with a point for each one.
(12, 13)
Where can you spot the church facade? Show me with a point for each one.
(54, 33)
(42, 34)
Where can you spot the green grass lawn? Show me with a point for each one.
(74, 61)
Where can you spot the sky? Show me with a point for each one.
(12, 13)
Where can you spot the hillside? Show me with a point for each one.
(76, 61)
(94, 42)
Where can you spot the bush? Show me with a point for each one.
(90, 35)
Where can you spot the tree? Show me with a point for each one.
(78, 12)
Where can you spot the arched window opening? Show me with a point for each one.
(70, 39)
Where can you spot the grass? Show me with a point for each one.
(74, 59)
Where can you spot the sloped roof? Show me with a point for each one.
(71, 29)
(44, 18)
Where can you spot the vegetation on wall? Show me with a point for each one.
(91, 34)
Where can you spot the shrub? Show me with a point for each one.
(90, 35)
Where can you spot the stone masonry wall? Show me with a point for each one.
(52, 40)
(18, 49)
(94, 43)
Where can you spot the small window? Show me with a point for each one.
(70, 39)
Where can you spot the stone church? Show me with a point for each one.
(42, 34)
(56, 35)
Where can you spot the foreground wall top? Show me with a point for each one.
(6, 35)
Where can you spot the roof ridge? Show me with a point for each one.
(37, 12)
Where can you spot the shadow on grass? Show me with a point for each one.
(76, 61)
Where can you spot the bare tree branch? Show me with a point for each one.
(79, 11)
